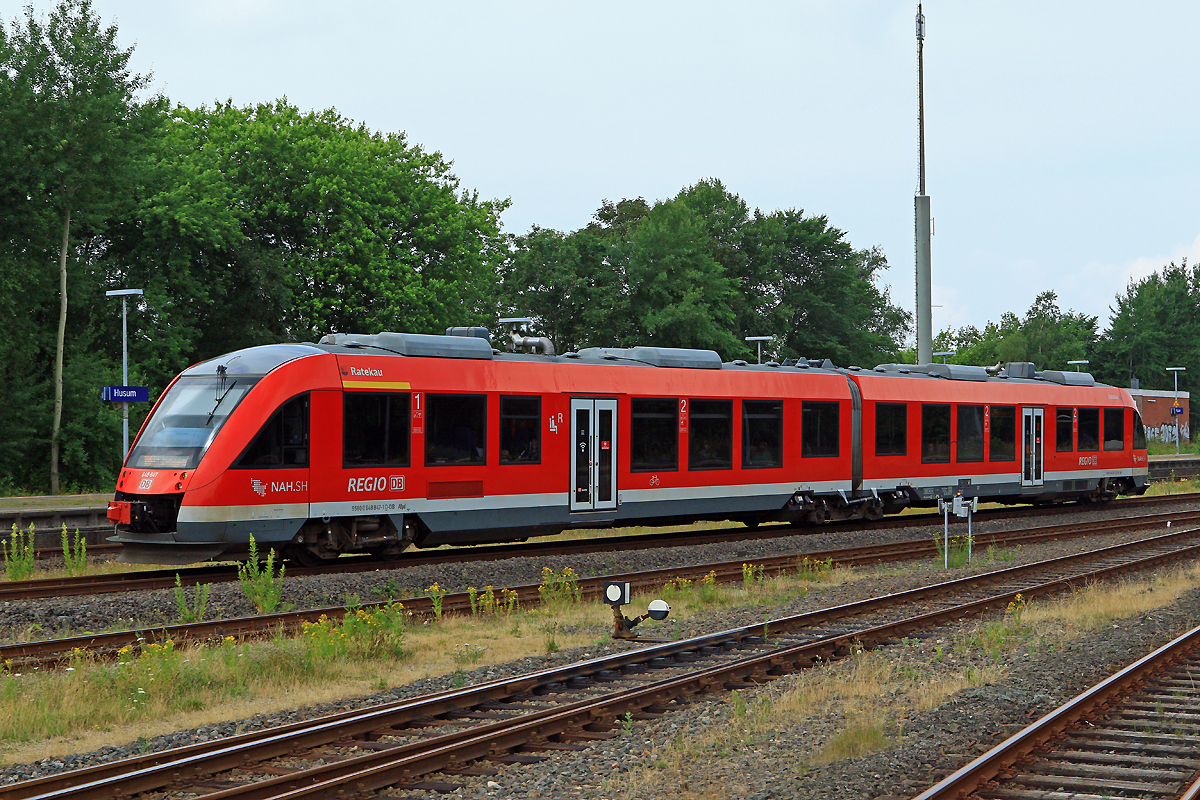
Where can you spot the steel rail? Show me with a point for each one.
(52, 651)
(1020, 745)
(192, 576)
(157, 770)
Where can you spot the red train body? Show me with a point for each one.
(369, 443)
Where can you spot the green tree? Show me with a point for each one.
(679, 296)
(1155, 324)
(79, 129)
(820, 294)
(1046, 335)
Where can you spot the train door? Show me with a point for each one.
(593, 455)
(1032, 442)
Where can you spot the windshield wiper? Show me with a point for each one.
(219, 399)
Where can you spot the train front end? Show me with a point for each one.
(180, 453)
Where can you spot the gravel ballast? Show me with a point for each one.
(780, 765)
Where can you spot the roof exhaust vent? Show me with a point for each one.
(518, 343)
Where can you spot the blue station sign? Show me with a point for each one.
(126, 394)
(1176, 411)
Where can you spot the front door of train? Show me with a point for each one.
(593, 454)
(1032, 441)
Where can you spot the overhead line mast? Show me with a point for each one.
(924, 299)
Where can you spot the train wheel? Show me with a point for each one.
(750, 523)
(307, 558)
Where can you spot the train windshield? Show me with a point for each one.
(184, 424)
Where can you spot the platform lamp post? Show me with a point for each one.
(760, 340)
(124, 294)
(1175, 410)
(1077, 363)
(945, 354)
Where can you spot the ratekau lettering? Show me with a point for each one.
(370, 373)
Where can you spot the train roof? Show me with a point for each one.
(1013, 372)
(475, 344)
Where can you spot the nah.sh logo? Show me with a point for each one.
(259, 487)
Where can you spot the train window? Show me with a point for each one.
(935, 433)
(970, 433)
(762, 433)
(1064, 422)
(283, 441)
(1114, 429)
(1089, 430)
(455, 429)
(710, 434)
(653, 435)
(520, 430)
(1003, 439)
(818, 429)
(1139, 432)
(891, 429)
(375, 429)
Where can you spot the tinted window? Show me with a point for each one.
(710, 434)
(283, 441)
(653, 435)
(1003, 439)
(375, 430)
(520, 430)
(1114, 429)
(1089, 430)
(935, 433)
(970, 433)
(1139, 432)
(891, 429)
(819, 429)
(455, 429)
(1064, 422)
(762, 433)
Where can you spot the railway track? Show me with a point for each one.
(48, 653)
(1134, 734)
(51, 651)
(435, 741)
(224, 573)
(91, 523)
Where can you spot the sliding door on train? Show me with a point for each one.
(593, 456)
(1032, 441)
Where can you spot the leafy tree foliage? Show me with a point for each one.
(1046, 335)
(699, 270)
(1155, 325)
(73, 134)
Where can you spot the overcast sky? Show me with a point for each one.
(1062, 141)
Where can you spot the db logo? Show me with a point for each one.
(396, 483)
(145, 484)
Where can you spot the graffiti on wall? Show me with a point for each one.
(1166, 432)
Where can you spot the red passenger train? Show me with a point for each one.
(369, 443)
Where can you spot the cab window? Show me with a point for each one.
(283, 441)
